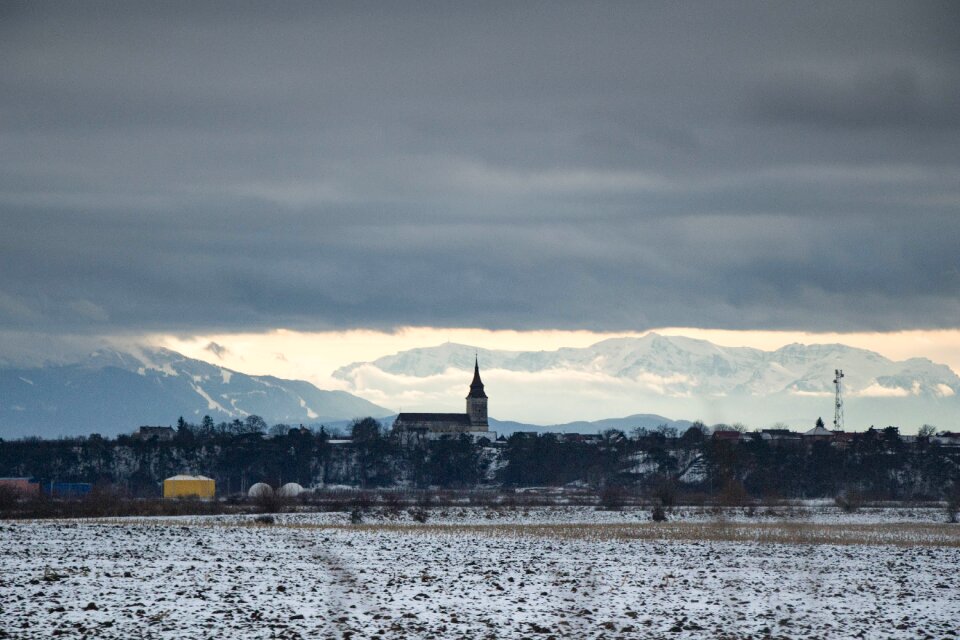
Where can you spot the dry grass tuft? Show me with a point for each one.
(896, 534)
(901, 534)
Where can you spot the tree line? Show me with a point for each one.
(239, 453)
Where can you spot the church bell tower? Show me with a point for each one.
(477, 400)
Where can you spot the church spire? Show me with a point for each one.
(477, 400)
(476, 387)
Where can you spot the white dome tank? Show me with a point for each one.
(260, 490)
(290, 490)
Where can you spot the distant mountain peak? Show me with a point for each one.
(113, 391)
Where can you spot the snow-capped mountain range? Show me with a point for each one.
(689, 378)
(113, 392)
(684, 366)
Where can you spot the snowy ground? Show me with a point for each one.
(823, 512)
(566, 573)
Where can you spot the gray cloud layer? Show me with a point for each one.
(178, 167)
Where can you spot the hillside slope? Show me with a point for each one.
(114, 392)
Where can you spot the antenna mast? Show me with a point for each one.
(838, 402)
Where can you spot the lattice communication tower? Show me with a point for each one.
(838, 401)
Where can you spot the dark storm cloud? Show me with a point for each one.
(877, 96)
(520, 165)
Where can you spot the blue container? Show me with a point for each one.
(69, 489)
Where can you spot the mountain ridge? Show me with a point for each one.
(793, 367)
(676, 375)
(112, 391)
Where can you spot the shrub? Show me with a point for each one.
(508, 499)
(657, 514)
(613, 497)
(419, 514)
(337, 506)
(356, 516)
(270, 502)
(426, 499)
(953, 503)
(363, 501)
(482, 498)
(8, 499)
(733, 494)
(103, 500)
(665, 491)
(849, 501)
(392, 502)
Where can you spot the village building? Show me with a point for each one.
(415, 427)
(163, 434)
(780, 437)
(726, 435)
(946, 439)
(842, 439)
(819, 433)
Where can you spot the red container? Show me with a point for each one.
(23, 486)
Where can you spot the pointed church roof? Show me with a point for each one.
(476, 387)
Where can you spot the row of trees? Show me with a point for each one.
(240, 453)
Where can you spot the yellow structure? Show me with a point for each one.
(189, 486)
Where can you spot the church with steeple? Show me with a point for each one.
(418, 426)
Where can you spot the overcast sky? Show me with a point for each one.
(193, 167)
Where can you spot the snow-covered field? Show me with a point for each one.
(811, 511)
(562, 572)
